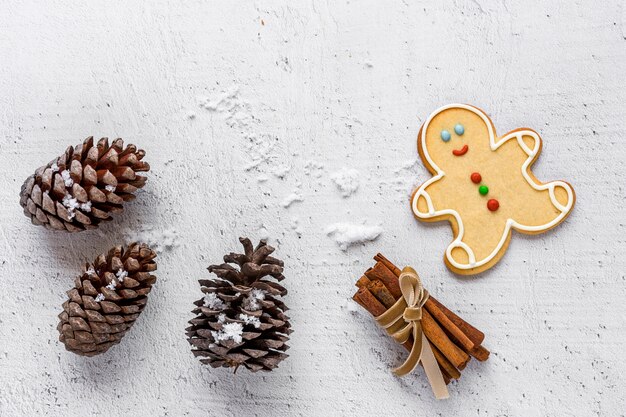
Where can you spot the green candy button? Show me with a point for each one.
(483, 190)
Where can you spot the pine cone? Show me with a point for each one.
(106, 299)
(239, 320)
(78, 190)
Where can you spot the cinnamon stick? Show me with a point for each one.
(480, 353)
(382, 273)
(438, 337)
(381, 292)
(434, 333)
(363, 281)
(380, 258)
(458, 329)
(447, 369)
(475, 335)
(457, 334)
(452, 339)
(445, 364)
(371, 304)
(366, 299)
(431, 328)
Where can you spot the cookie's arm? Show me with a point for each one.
(527, 139)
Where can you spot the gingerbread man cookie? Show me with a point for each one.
(482, 184)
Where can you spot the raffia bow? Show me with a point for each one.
(403, 320)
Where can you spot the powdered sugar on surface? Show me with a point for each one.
(347, 234)
(292, 198)
(346, 180)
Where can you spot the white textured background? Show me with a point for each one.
(245, 106)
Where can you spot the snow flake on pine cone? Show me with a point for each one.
(250, 320)
(230, 331)
(121, 274)
(67, 179)
(71, 204)
(253, 301)
(213, 302)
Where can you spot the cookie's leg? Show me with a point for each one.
(480, 241)
(547, 206)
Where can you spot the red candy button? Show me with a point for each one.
(493, 205)
(476, 178)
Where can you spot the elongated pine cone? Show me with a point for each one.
(106, 299)
(240, 320)
(80, 188)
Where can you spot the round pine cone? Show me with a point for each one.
(106, 299)
(240, 320)
(78, 190)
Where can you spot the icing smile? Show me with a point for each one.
(460, 152)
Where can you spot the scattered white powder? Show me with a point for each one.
(250, 320)
(121, 274)
(54, 167)
(252, 301)
(90, 271)
(292, 198)
(67, 179)
(295, 225)
(314, 169)
(263, 233)
(237, 111)
(99, 297)
(225, 102)
(346, 180)
(230, 331)
(110, 188)
(221, 318)
(280, 171)
(405, 179)
(161, 240)
(346, 234)
(111, 285)
(262, 149)
(213, 302)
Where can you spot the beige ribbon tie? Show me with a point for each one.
(406, 314)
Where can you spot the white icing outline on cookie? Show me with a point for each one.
(510, 223)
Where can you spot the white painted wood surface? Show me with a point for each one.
(245, 107)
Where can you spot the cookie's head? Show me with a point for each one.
(453, 132)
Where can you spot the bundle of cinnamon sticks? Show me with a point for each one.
(452, 339)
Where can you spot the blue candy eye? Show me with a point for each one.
(459, 129)
(445, 135)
